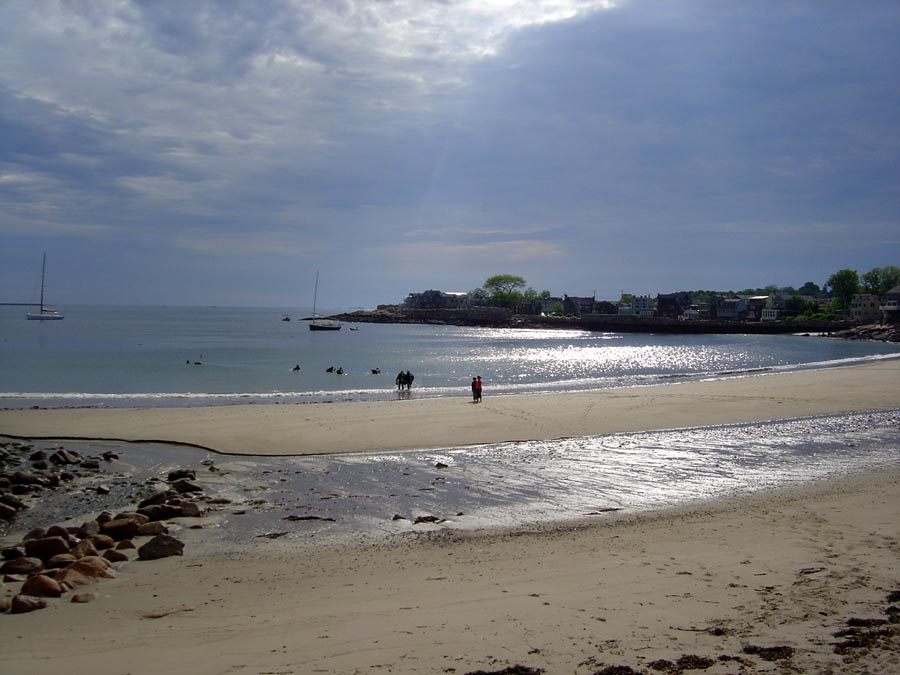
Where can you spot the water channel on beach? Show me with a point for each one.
(301, 500)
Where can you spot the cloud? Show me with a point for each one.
(608, 135)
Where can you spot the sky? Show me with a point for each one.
(224, 152)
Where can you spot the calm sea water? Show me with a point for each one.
(205, 356)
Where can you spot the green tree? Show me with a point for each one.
(811, 289)
(504, 289)
(843, 284)
(881, 279)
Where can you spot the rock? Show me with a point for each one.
(37, 456)
(427, 519)
(89, 528)
(91, 464)
(40, 465)
(22, 604)
(160, 511)
(103, 490)
(150, 529)
(13, 501)
(7, 512)
(65, 457)
(179, 474)
(47, 547)
(5, 604)
(42, 586)
(191, 510)
(161, 546)
(109, 456)
(183, 486)
(36, 533)
(13, 552)
(125, 545)
(85, 596)
(86, 571)
(58, 531)
(84, 548)
(104, 517)
(120, 528)
(61, 560)
(133, 515)
(152, 500)
(102, 541)
(24, 478)
(114, 555)
(24, 565)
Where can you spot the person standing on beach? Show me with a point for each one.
(478, 389)
(401, 378)
(474, 390)
(409, 380)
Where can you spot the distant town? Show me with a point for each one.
(847, 300)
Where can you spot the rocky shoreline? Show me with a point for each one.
(56, 560)
(495, 317)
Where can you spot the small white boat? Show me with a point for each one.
(46, 314)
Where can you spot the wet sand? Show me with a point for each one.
(808, 574)
(304, 429)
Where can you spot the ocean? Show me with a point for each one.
(182, 356)
(149, 356)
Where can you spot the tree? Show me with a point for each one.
(881, 279)
(810, 289)
(843, 284)
(504, 289)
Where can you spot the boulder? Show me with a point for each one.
(25, 565)
(102, 541)
(161, 546)
(7, 512)
(36, 533)
(83, 548)
(5, 604)
(58, 531)
(114, 555)
(88, 528)
(47, 547)
(124, 545)
(13, 501)
(133, 515)
(91, 464)
(150, 529)
(191, 510)
(153, 500)
(62, 456)
(22, 604)
(183, 486)
(61, 560)
(179, 474)
(42, 586)
(160, 511)
(13, 552)
(120, 528)
(85, 571)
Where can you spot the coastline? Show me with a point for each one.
(795, 579)
(308, 429)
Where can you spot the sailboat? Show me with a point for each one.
(46, 314)
(321, 322)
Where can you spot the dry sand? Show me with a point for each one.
(303, 429)
(784, 569)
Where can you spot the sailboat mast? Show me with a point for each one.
(43, 267)
(316, 293)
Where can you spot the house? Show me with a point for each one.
(731, 309)
(432, 299)
(669, 306)
(865, 308)
(640, 305)
(890, 306)
(573, 306)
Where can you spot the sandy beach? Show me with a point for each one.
(794, 581)
(304, 429)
